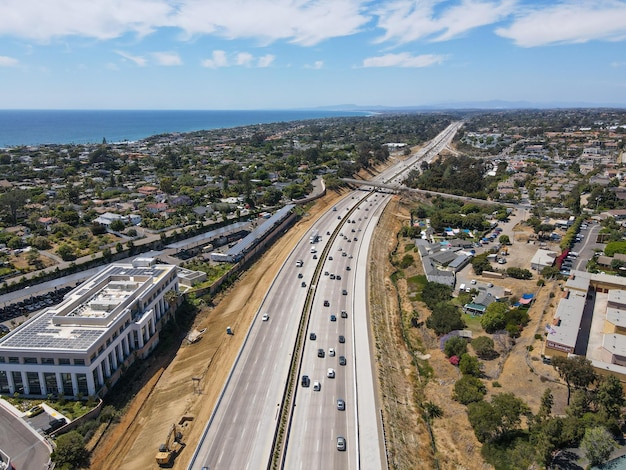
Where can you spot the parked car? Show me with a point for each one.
(55, 424)
(34, 411)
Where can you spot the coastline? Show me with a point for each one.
(81, 127)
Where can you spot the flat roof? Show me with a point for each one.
(88, 312)
(615, 344)
(570, 313)
(578, 280)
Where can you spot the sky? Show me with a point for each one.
(283, 54)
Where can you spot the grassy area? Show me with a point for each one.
(415, 286)
(473, 323)
(71, 409)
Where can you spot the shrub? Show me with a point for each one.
(455, 346)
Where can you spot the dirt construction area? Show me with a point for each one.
(189, 383)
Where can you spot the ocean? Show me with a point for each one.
(34, 127)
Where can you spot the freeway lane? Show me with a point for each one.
(241, 430)
(316, 420)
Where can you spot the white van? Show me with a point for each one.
(316, 386)
(313, 250)
(462, 288)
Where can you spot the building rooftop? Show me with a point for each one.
(89, 311)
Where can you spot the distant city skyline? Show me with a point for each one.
(282, 54)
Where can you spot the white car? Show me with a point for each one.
(330, 374)
(331, 352)
(266, 316)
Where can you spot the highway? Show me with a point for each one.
(241, 430)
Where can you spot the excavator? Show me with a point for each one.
(172, 446)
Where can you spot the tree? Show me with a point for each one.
(480, 263)
(469, 389)
(494, 318)
(70, 451)
(117, 225)
(610, 397)
(483, 420)
(66, 252)
(434, 293)
(12, 202)
(577, 372)
(547, 401)
(41, 243)
(445, 318)
(455, 346)
(470, 365)
(484, 347)
(597, 444)
(504, 240)
(519, 273)
(509, 410)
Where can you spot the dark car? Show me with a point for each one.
(306, 381)
(342, 360)
(320, 352)
(342, 339)
(55, 424)
(312, 336)
(344, 314)
(344, 292)
(326, 303)
(333, 318)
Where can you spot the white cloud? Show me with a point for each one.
(266, 60)
(244, 58)
(617, 64)
(100, 19)
(403, 59)
(6, 61)
(137, 60)
(569, 22)
(167, 59)
(218, 60)
(305, 22)
(318, 64)
(409, 20)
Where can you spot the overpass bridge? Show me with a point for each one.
(398, 189)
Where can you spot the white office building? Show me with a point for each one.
(83, 345)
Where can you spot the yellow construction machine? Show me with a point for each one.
(172, 446)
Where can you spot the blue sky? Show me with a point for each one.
(262, 54)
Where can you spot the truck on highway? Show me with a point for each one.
(315, 236)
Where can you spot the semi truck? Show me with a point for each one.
(315, 236)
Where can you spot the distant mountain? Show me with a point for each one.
(465, 105)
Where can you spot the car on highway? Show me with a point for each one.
(344, 254)
(331, 352)
(338, 277)
(34, 411)
(333, 318)
(330, 373)
(303, 284)
(320, 352)
(342, 339)
(344, 314)
(266, 316)
(342, 360)
(341, 443)
(314, 256)
(312, 336)
(326, 273)
(344, 292)
(348, 268)
(341, 405)
(306, 381)
(316, 386)
(330, 258)
(332, 276)
(300, 276)
(326, 303)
